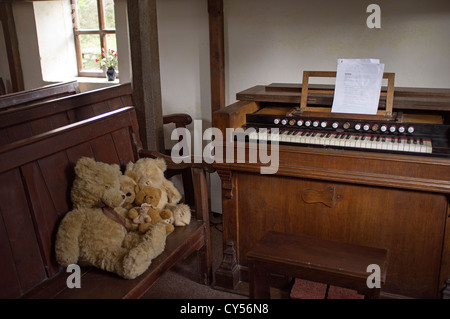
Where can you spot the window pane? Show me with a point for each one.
(111, 41)
(110, 21)
(90, 50)
(87, 14)
(112, 44)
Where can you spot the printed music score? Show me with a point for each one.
(358, 86)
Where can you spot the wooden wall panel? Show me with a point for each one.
(8, 274)
(18, 223)
(43, 211)
(104, 150)
(124, 150)
(102, 107)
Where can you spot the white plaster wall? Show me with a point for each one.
(185, 74)
(4, 67)
(28, 44)
(184, 57)
(56, 42)
(275, 41)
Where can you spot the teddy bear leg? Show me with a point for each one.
(110, 259)
(131, 239)
(140, 257)
(169, 228)
(67, 247)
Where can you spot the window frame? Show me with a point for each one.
(102, 32)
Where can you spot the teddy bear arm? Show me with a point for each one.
(173, 195)
(165, 214)
(133, 213)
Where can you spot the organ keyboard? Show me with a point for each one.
(384, 136)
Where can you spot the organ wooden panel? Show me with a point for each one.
(391, 201)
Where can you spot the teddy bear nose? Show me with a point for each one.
(128, 194)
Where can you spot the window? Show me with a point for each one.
(94, 29)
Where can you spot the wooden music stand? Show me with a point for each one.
(304, 109)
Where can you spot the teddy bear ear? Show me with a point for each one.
(116, 167)
(129, 166)
(137, 188)
(82, 164)
(161, 163)
(132, 175)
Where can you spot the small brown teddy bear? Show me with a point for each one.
(150, 172)
(147, 212)
(127, 186)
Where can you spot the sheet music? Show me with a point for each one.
(358, 86)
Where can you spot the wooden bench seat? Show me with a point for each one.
(36, 175)
(38, 95)
(339, 264)
(98, 284)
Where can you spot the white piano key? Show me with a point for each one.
(382, 142)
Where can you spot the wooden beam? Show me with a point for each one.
(146, 80)
(217, 54)
(12, 46)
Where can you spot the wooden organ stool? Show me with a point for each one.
(339, 264)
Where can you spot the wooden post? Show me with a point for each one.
(12, 46)
(146, 74)
(217, 54)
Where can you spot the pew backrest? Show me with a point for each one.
(22, 122)
(38, 95)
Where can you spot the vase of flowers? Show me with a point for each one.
(108, 60)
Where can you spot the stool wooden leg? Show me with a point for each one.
(259, 286)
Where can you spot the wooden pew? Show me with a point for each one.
(20, 122)
(25, 121)
(36, 175)
(38, 95)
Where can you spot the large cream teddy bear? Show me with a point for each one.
(150, 172)
(93, 233)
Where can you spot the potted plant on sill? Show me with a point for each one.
(108, 59)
